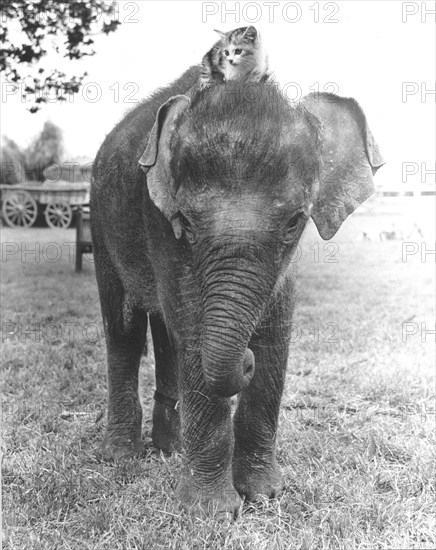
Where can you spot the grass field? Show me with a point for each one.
(356, 438)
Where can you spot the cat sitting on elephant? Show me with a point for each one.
(238, 54)
(198, 201)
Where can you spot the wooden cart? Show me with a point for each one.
(22, 202)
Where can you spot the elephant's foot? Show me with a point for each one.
(259, 479)
(121, 442)
(166, 428)
(223, 503)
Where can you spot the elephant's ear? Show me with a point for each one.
(349, 158)
(155, 160)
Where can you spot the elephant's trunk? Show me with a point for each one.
(234, 295)
(228, 365)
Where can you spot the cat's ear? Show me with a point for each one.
(222, 34)
(251, 34)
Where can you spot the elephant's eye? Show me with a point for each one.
(238, 51)
(293, 222)
(187, 229)
(292, 226)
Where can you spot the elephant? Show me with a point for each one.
(198, 201)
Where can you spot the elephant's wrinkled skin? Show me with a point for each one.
(197, 237)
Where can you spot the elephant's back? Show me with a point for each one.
(125, 144)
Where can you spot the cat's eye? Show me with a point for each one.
(226, 52)
(238, 51)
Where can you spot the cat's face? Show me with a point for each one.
(240, 46)
(234, 53)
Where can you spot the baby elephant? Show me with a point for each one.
(198, 201)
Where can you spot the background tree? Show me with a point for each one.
(22, 166)
(12, 163)
(45, 150)
(35, 21)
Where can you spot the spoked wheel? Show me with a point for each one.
(58, 215)
(19, 209)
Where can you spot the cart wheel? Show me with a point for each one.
(19, 209)
(58, 215)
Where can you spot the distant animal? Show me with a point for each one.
(238, 54)
(394, 233)
(390, 235)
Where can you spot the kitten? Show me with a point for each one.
(237, 54)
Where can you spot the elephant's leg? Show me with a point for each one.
(206, 483)
(255, 468)
(166, 419)
(125, 330)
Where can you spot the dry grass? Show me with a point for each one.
(356, 440)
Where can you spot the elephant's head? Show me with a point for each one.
(238, 175)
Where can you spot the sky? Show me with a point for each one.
(382, 53)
